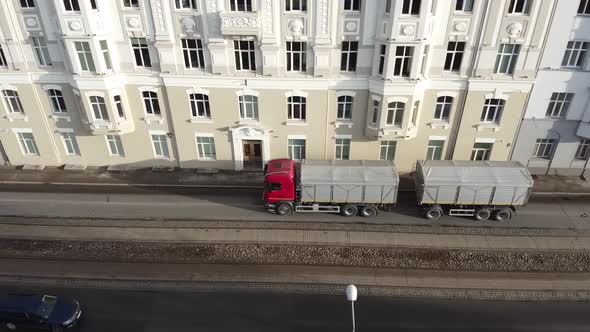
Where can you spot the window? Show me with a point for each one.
(506, 58)
(481, 151)
(411, 7)
(296, 149)
(71, 5)
(296, 5)
(349, 55)
(387, 150)
(583, 151)
(344, 108)
(382, 50)
(104, 48)
(415, 112)
(131, 3)
(454, 56)
(342, 148)
(296, 56)
(206, 147)
(241, 5)
(244, 55)
(84, 56)
(296, 108)
(192, 50)
(12, 101)
(519, 7)
(57, 101)
(388, 6)
(70, 144)
(141, 52)
(464, 5)
(41, 51)
(27, 3)
(28, 144)
(434, 150)
(395, 114)
(559, 104)
(99, 108)
(403, 60)
(584, 7)
(119, 105)
(443, 108)
(150, 100)
(200, 105)
(93, 4)
(186, 4)
(248, 107)
(3, 62)
(575, 54)
(375, 114)
(492, 111)
(352, 5)
(160, 144)
(115, 146)
(424, 59)
(544, 148)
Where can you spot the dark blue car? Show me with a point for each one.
(45, 312)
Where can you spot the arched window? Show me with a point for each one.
(200, 105)
(57, 100)
(12, 101)
(395, 113)
(150, 100)
(248, 107)
(443, 108)
(99, 108)
(344, 108)
(296, 108)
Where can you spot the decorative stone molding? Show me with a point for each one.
(31, 22)
(239, 23)
(323, 16)
(460, 26)
(267, 16)
(296, 27)
(514, 29)
(408, 30)
(133, 22)
(75, 26)
(158, 16)
(188, 24)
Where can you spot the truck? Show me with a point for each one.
(482, 189)
(348, 187)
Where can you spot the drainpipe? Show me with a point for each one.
(554, 150)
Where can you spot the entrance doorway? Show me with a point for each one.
(252, 153)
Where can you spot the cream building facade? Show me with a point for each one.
(233, 83)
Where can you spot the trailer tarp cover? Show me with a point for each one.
(480, 173)
(349, 172)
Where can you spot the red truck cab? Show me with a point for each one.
(279, 183)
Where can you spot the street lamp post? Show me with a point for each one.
(351, 295)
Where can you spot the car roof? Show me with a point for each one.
(20, 303)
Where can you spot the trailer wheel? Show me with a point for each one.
(284, 209)
(433, 213)
(483, 214)
(349, 210)
(503, 215)
(368, 211)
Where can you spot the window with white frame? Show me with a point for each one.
(248, 107)
(296, 107)
(464, 6)
(206, 147)
(200, 105)
(93, 4)
(559, 104)
(71, 5)
(27, 3)
(481, 151)
(186, 4)
(141, 52)
(296, 56)
(423, 67)
(349, 53)
(131, 3)
(492, 110)
(296, 148)
(506, 58)
(150, 100)
(115, 145)
(99, 108)
(344, 108)
(387, 150)
(403, 60)
(584, 7)
(382, 50)
(395, 113)
(296, 5)
(519, 6)
(544, 148)
(119, 106)
(41, 51)
(411, 7)
(245, 55)
(27, 143)
(70, 144)
(583, 151)
(442, 111)
(160, 144)
(84, 56)
(575, 55)
(342, 149)
(435, 149)
(57, 101)
(192, 49)
(13, 101)
(3, 62)
(352, 5)
(415, 112)
(375, 113)
(104, 49)
(240, 5)
(454, 56)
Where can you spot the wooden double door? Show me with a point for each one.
(252, 154)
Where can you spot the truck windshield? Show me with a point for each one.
(46, 307)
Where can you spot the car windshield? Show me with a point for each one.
(46, 307)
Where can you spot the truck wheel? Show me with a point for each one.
(503, 215)
(433, 213)
(349, 210)
(482, 214)
(284, 209)
(368, 211)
